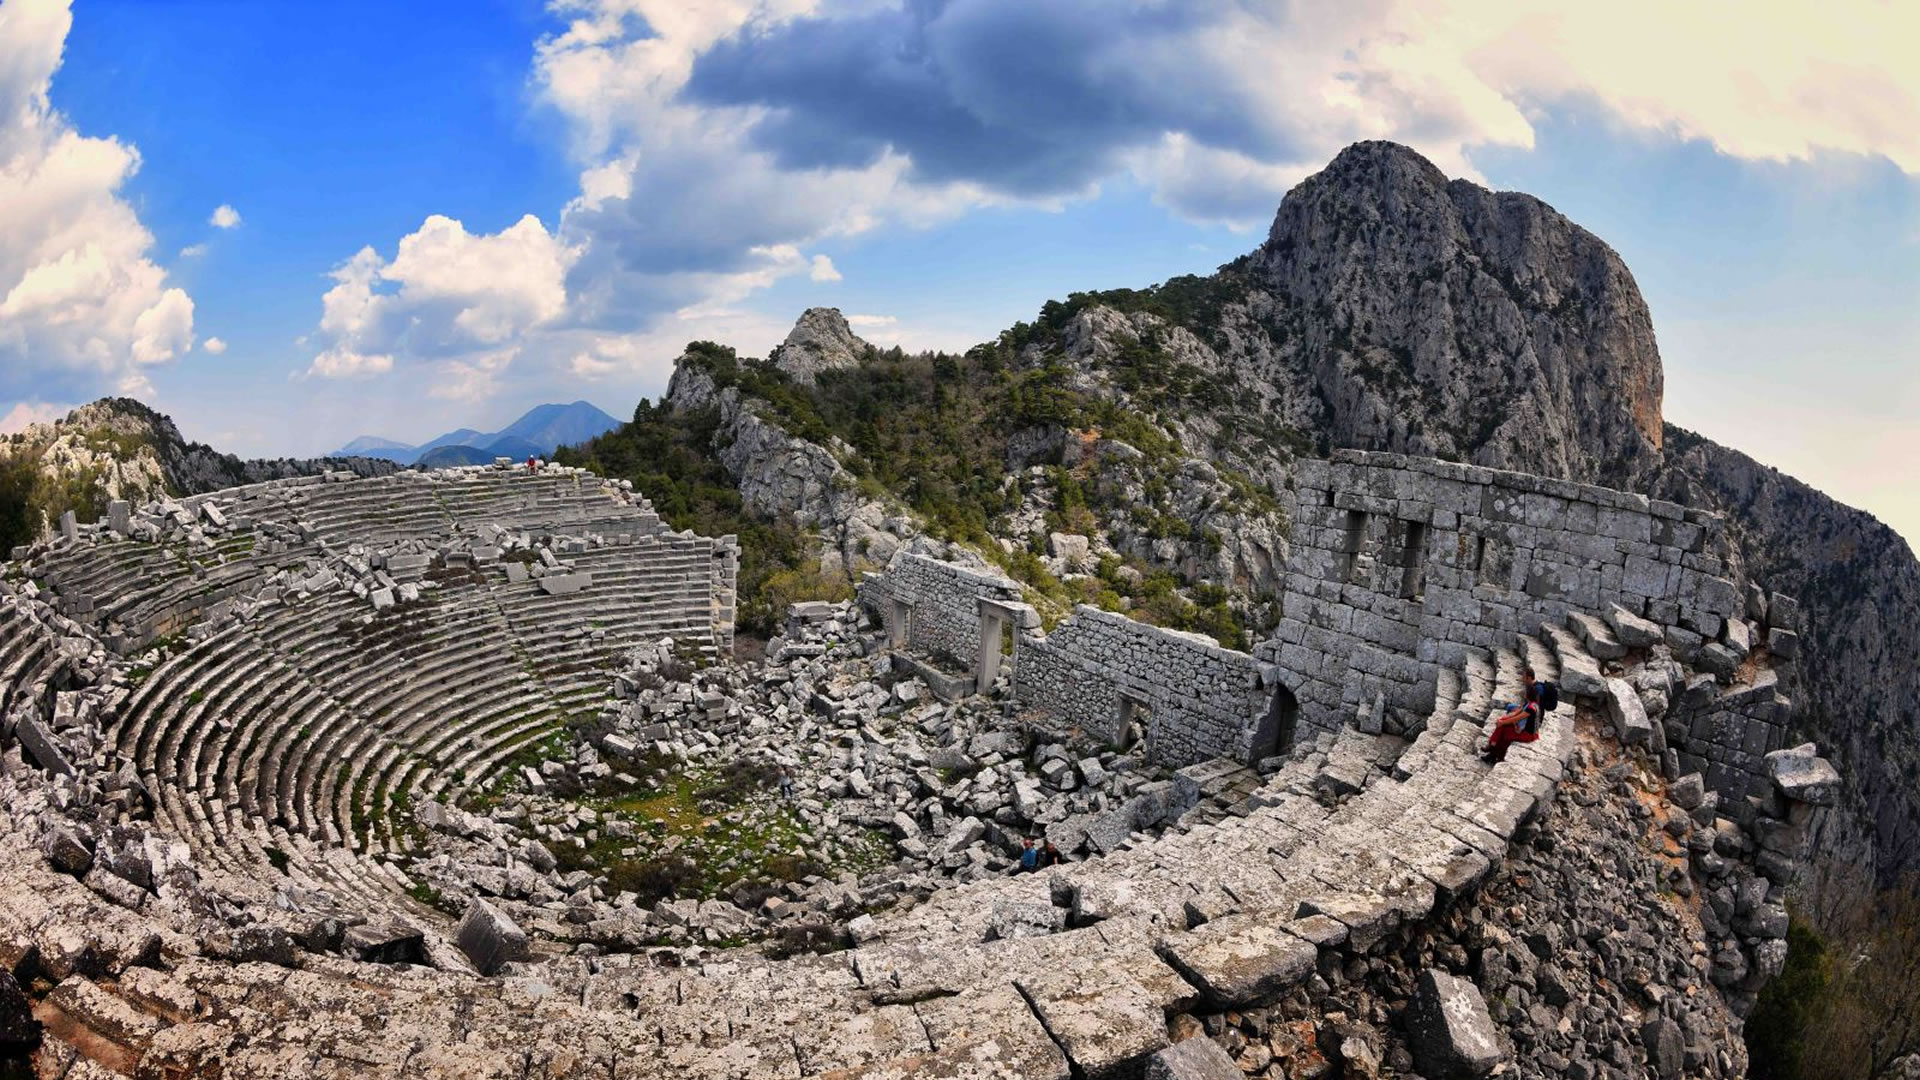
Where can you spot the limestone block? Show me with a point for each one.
(1198, 1058)
(1106, 1028)
(1596, 635)
(1738, 636)
(490, 938)
(382, 599)
(384, 943)
(1783, 612)
(1717, 659)
(1784, 644)
(1631, 630)
(1024, 918)
(69, 849)
(120, 516)
(1804, 777)
(1579, 672)
(516, 572)
(40, 746)
(1240, 959)
(1451, 1034)
(1688, 792)
(565, 584)
(1630, 723)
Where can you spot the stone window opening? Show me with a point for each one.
(1352, 563)
(1493, 563)
(1413, 562)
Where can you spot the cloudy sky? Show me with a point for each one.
(288, 225)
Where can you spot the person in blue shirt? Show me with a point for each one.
(1029, 857)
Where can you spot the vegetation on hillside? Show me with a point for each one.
(1847, 1005)
(932, 432)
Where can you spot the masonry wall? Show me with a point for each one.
(942, 602)
(724, 589)
(1400, 565)
(1201, 700)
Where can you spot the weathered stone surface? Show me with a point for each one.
(69, 849)
(1666, 1047)
(1240, 959)
(384, 943)
(19, 1031)
(1802, 775)
(1198, 1058)
(1629, 715)
(1452, 1035)
(489, 937)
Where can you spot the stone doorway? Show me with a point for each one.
(899, 624)
(996, 625)
(1275, 733)
(1133, 713)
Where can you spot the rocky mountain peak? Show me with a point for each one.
(820, 341)
(1442, 318)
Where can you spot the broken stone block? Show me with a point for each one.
(69, 849)
(516, 572)
(1597, 636)
(1784, 644)
(1631, 630)
(1024, 918)
(1688, 792)
(1803, 776)
(19, 1031)
(41, 747)
(1451, 1034)
(1717, 659)
(253, 945)
(385, 943)
(490, 938)
(1629, 715)
(1198, 1058)
(1239, 959)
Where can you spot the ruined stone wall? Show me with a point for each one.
(724, 589)
(1196, 700)
(939, 602)
(1401, 565)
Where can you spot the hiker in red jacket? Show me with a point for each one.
(1520, 724)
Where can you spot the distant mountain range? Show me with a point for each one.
(537, 434)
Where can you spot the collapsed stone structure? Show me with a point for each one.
(162, 826)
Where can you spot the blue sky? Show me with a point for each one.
(444, 214)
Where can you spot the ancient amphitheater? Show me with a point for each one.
(298, 779)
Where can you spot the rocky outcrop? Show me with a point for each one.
(820, 341)
(117, 448)
(1858, 585)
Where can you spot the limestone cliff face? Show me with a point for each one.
(1435, 317)
(820, 341)
(117, 448)
(1859, 590)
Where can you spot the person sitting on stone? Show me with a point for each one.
(1520, 724)
(1049, 855)
(1029, 857)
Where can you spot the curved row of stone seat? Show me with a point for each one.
(23, 646)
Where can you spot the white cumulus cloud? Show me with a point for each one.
(463, 300)
(82, 305)
(24, 413)
(224, 217)
(214, 345)
(822, 269)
